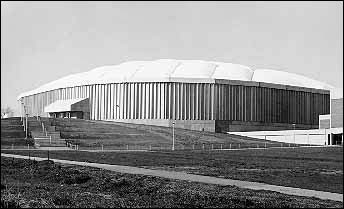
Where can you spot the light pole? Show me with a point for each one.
(23, 116)
(21, 110)
(116, 111)
(294, 132)
(173, 135)
(26, 125)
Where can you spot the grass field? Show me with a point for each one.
(309, 168)
(26, 183)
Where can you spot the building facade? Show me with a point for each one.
(333, 123)
(203, 99)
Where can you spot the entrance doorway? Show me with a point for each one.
(337, 139)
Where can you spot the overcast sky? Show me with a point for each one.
(43, 41)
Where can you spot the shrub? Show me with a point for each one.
(77, 179)
(62, 199)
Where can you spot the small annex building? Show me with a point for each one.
(70, 108)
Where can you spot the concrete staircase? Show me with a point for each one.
(45, 135)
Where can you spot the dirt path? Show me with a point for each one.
(198, 178)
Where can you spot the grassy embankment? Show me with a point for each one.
(27, 183)
(113, 135)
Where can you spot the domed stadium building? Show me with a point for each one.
(192, 94)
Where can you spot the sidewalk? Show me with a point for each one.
(198, 178)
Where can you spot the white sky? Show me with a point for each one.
(43, 41)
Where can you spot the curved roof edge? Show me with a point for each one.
(171, 70)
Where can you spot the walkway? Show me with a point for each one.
(198, 178)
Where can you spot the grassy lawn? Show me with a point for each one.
(7, 143)
(309, 168)
(26, 183)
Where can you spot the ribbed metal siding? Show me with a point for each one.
(190, 101)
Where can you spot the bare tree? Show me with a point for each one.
(6, 112)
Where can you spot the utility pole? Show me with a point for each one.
(24, 116)
(294, 132)
(21, 110)
(26, 126)
(173, 135)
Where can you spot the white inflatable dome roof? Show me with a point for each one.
(164, 70)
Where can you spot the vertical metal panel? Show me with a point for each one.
(127, 101)
(208, 110)
(242, 103)
(99, 101)
(151, 99)
(181, 101)
(138, 101)
(167, 100)
(203, 101)
(248, 103)
(200, 105)
(185, 94)
(234, 102)
(120, 101)
(148, 99)
(188, 102)
(157, 100)
(106, 96)
(133, 100)
(173, 101)
(157, 103)
(111, 106)
(269, 105)
(143, 103)
(177, 103)
(200, 101)
(264, 95)
(100, 95)
(196, 102)
(231, 102)
(192, 97)
(140, 92)
(96, 100)
(259, 103)
(273, 102)
(226, 102)
(103, 102)
(278, 110)
(212, 101)
(216, 105)
(123, 100)
(220, 99)
(162, 101)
